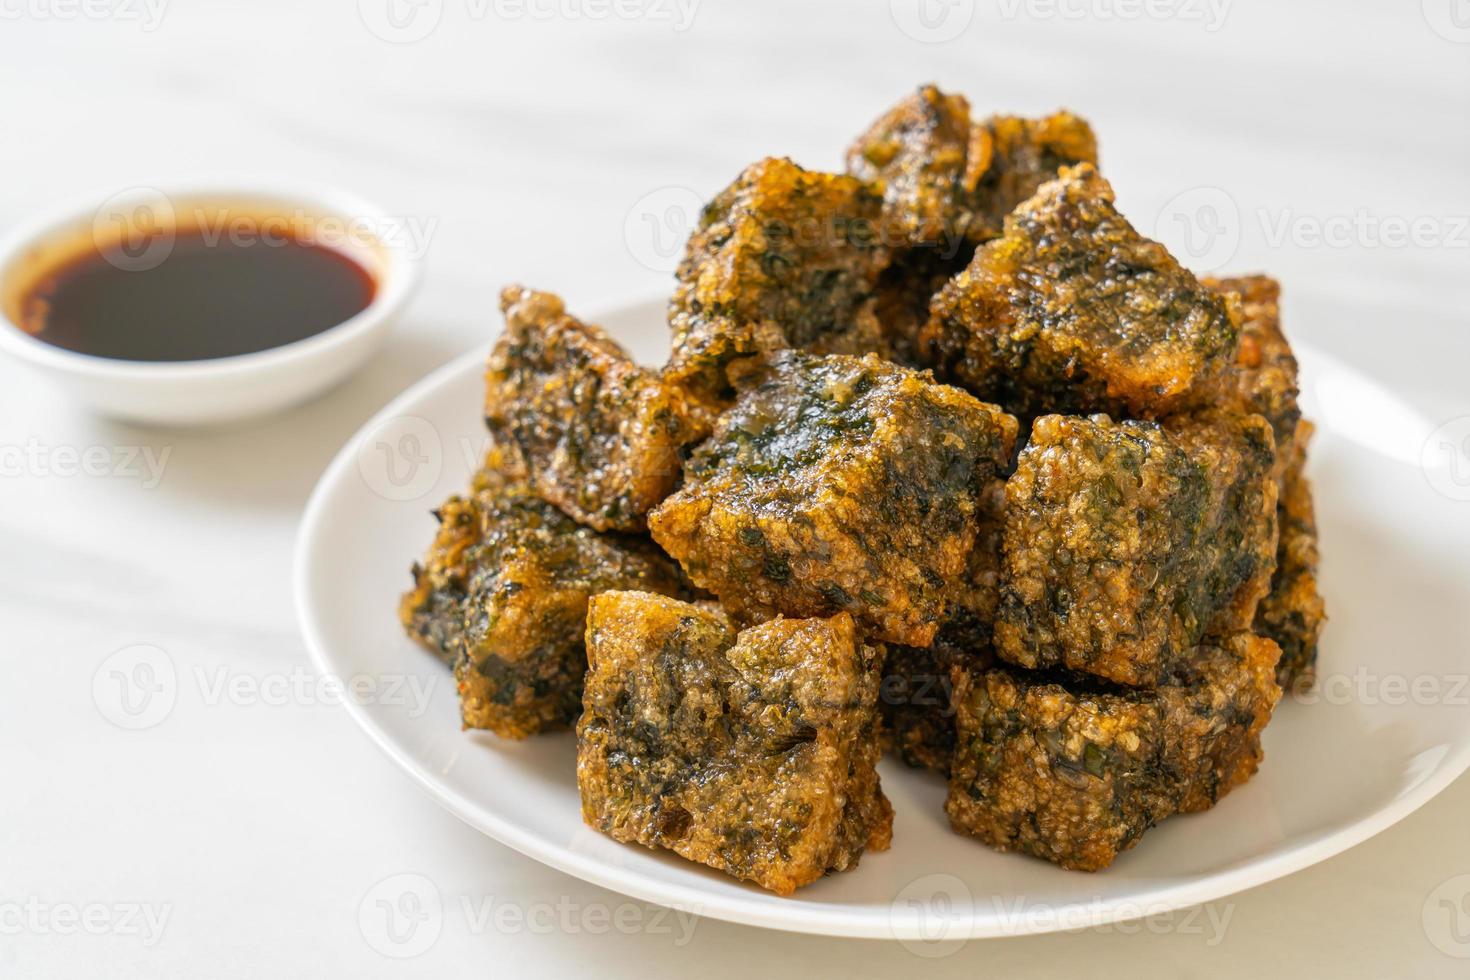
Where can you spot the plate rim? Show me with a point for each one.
(811, 919)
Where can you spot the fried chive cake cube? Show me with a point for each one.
(1293, 613)
(974, 594)
(503, 597)
(1012, 157)
(947, 183)
(916, 152)
(1064, 769)
(915, 155)
(1266, 368)
(1126, 543)
(1071, 310)
(783, 257)
(600, 435)
(918, 721)
(838, 483)
(945, 179)
(431, 612)
(754, 753)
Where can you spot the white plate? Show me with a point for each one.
(1388, 729)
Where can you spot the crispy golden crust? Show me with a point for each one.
(1293, 614)
(974, 594)
(1126, 543)
(431, 612)
(755, 754)
(915, 153)
(1074, 774)
(917, 716)
(503, 597)
(1218, 705)
(1072, 310)
(502, 467)
(600, 435)
(947, 184)
(1010, 158)
(1266, 369)
(838, 483)
(783, 257)
(945, 179)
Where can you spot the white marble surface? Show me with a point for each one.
(522, 137)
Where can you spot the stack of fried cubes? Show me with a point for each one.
(948, 459)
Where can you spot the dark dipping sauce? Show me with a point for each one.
(210, 297)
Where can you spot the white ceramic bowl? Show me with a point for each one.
(224, 389)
